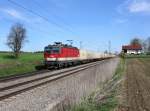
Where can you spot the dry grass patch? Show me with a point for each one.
(105, 98)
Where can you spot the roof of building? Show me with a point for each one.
(132, 47)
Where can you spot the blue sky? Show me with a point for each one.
(94, 22)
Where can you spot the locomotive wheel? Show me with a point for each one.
(65, 65)
(59, 66)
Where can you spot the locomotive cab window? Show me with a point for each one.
(52, 50)
(46, 49)
(55, 50)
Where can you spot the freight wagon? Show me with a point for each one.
(62, 55)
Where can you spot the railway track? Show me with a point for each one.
(29, 74)
(17, 84)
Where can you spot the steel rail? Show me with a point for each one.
(59, 74)
(29, 74)
(41, 78)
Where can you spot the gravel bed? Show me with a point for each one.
(71, 88)
(24, 79)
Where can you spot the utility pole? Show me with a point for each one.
(80, 44)
(109, 46)
(70, 41)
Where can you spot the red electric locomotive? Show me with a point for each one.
(59, 55)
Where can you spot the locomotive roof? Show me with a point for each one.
(61, 45)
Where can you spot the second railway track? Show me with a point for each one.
(17, 85)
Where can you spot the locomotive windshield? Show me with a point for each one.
(52, 50)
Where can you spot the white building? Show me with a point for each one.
(132, 49)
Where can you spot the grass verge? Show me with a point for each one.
(137, 56)
(104, 98)
(25, 63)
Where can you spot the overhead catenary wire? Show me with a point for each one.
(58, 17)
(42, 32)
(31, 27)
(39, 15)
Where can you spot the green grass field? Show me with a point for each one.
(25, 63)
(137, 56)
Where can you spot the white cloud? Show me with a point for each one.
(20, 16)
(139, 6)
(14, 13)
(134, 6)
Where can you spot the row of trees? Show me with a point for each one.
(144, 43)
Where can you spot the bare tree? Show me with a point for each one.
(16, 38)
(147, 45)
(136, 41)
(144, 45)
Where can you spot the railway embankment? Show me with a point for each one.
(68, 90)
(106, 97)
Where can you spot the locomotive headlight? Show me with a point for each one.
(51, 56)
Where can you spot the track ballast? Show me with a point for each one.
(17, 84)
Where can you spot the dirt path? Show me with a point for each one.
(137, 86)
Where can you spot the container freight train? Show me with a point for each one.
(63, 55)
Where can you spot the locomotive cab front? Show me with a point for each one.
(51, 54)
(60, 55)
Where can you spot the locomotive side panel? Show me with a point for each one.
(68, 54)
